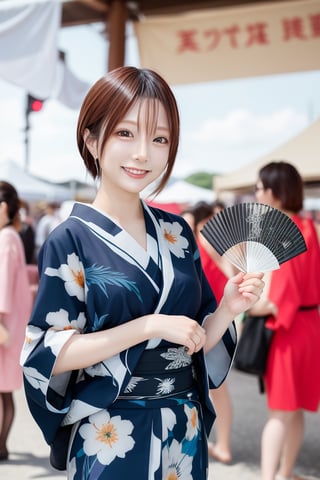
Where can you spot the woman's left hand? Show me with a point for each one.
(242, 291)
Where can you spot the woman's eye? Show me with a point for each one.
(124, 133)
(163, 140)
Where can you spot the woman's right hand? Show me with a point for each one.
(177, 329)
(101, 345)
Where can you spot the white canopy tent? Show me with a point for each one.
(182, 192)
(303, 151)
(29, 187)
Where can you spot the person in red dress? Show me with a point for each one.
(292, 299)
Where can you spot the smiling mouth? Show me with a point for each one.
(135, 171)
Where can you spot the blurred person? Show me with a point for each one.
(217, 271)
(26, 231)
(115, 338)
(15, 308)
(188, 216)
(291, 298)
(24, 225)
(218, 206)
(317, 223)
(46, 224)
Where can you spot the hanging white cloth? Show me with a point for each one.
(69, 89)
(28, 44)
(29, 56)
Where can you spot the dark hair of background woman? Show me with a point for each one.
(286, 184)
(9, 195)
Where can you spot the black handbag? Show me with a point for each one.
(253, 347)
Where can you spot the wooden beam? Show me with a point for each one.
(98, 5)
(116, 27)
(83, 12)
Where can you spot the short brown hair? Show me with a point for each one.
(110, 98)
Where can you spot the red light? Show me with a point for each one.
(36, 105)
(33, 104)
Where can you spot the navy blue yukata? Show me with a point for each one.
(144, 413)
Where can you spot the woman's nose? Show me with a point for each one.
(140, 157)
(142, 152)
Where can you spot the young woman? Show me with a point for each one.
(123, 313)
(15, 308)
(292, 300)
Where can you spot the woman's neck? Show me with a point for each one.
(124, 210)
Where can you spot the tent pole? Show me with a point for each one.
(26, 142)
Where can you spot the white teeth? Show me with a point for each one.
(135, 170)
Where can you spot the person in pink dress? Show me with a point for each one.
(292, 300)
(15, 308)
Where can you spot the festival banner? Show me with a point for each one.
(226, 43)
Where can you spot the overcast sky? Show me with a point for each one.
(224, 124)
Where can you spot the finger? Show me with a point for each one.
(194, 345)
(251, 289)
(251, 284)
(196, 340)
(189, 347)
(254, 275)
(200, 342)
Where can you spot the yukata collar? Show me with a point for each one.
(167, 268)
(92, 216)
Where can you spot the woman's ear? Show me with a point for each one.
(91, 143)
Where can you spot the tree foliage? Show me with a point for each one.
(201, 179)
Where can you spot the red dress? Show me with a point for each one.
(216, 278)
(293, 370)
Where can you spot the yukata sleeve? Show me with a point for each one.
(58, 313)
(219, 359)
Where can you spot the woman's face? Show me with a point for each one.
(259, 191)
(135, 155)
(3, 214)
(265, 195)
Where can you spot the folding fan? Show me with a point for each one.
(254, 237)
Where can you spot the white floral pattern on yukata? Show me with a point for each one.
(98, 278)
